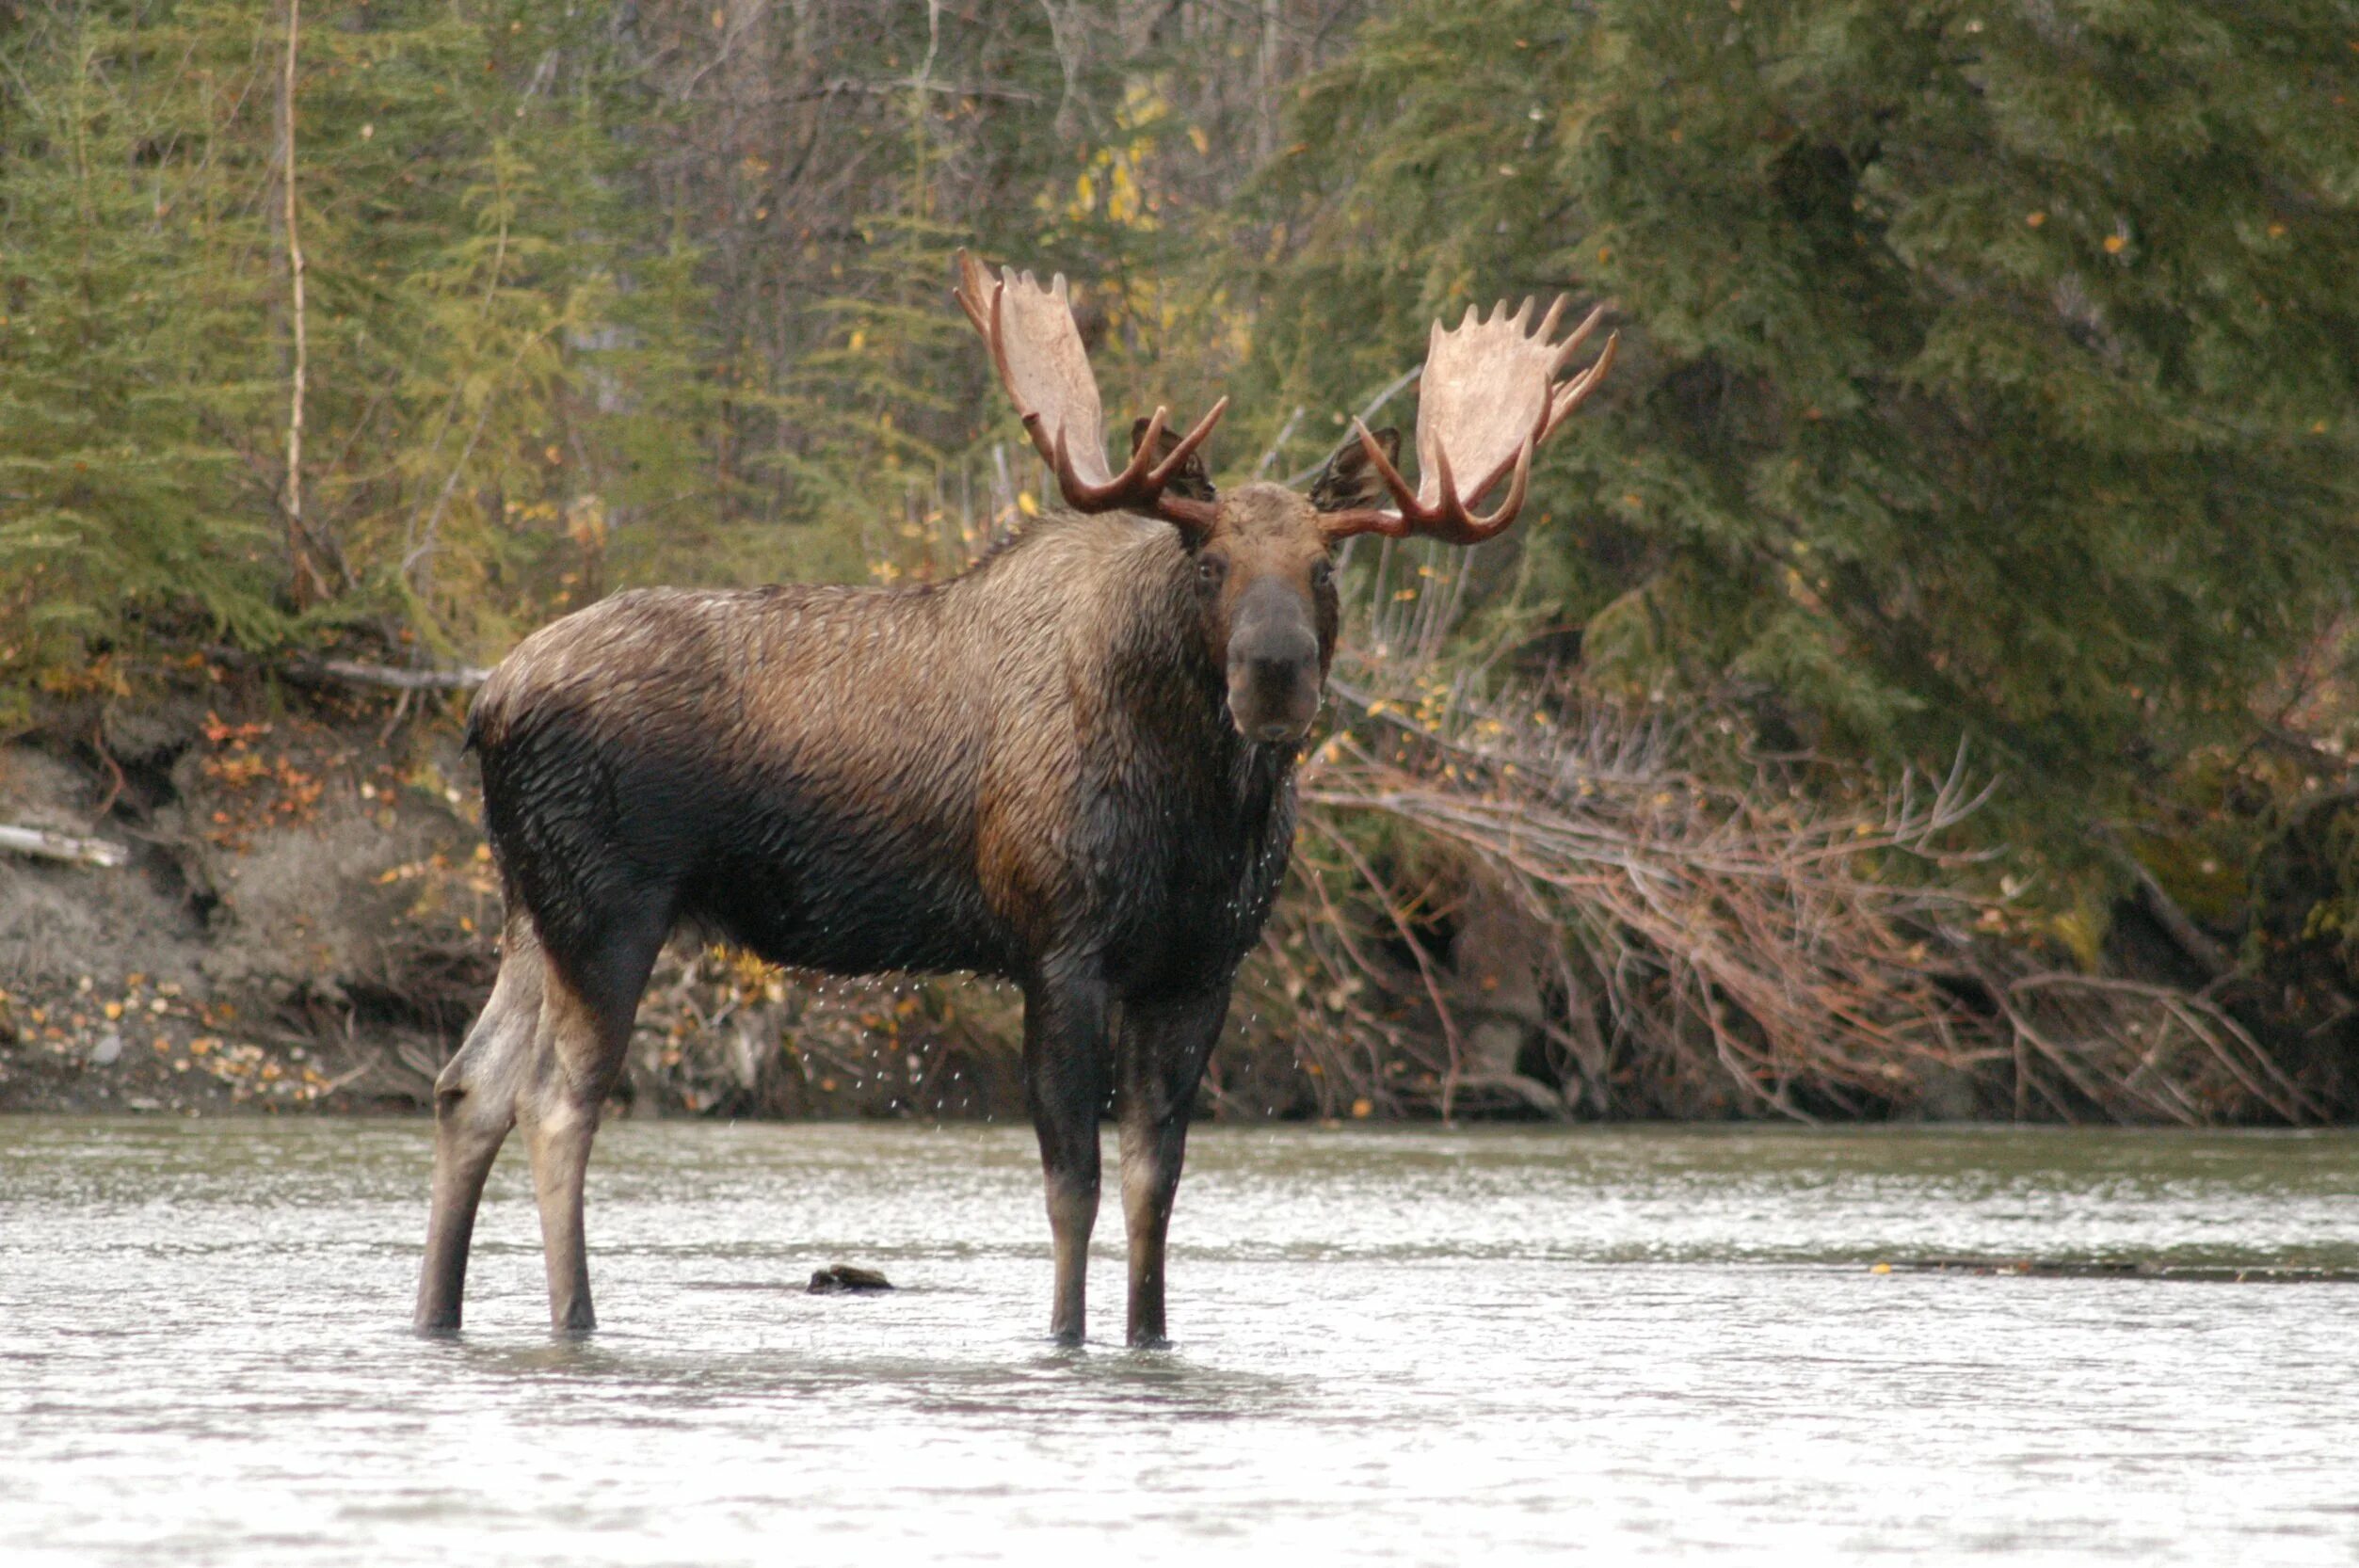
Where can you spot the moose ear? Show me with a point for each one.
(1191, 482)
(1349, 481)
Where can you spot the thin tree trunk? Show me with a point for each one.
(304, 583)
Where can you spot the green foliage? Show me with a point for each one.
(119, 364)
(1989, 370)
(478, 319)
(590, 296)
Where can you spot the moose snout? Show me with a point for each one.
(1272, 665)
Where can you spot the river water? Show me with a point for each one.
(1392, 1347)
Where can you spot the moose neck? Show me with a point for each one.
(1177, 686)
(1123, 589)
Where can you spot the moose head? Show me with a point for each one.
(1264, 555)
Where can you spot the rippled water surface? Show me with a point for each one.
(1395, 1346)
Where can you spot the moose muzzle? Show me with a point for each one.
(1273, 664)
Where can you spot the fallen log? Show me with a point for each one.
(43, 845)
(465, 678)
(306, 671)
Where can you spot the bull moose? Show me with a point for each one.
(1071, 767)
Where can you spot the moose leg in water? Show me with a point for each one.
(1164, 1043)
(585, 1029)
(474, 1105)
(1067, 1083)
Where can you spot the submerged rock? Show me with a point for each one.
(844, 1278)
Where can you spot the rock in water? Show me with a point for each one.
(108, 1050)
(842, 1278)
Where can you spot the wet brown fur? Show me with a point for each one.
(1034, 771)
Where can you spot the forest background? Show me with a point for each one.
(1921, 684)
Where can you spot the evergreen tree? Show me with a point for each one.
(491, 325)
(1991, 366)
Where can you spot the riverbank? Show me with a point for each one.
(296, 922)
(304, 917)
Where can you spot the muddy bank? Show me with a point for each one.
(300, 922)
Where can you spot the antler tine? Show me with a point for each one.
(1455, 524)
(1163, 472)
(1570, 346)
(1490, 397)
(1142, 481)
(1576, 392)
(974, 283)
(1107, 495)
(1402, 495)
(1547, 325)
(1038, 351)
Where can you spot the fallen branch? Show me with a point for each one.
(465, 678)
(307, 671)
(41, 843)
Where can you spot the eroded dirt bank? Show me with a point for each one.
(301, 922)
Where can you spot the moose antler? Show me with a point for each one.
(1030, 329)
(1489, 398)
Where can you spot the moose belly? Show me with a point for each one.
(848, 892)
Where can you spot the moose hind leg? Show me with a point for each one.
(584, 1029)
(1066, 1081)
(474, 1105)
(1163, 1048)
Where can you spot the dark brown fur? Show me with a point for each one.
(1069, 767)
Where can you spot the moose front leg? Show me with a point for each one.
(1164, 1044)
(1066, 1081)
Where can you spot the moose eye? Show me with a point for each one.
(1210, 569)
